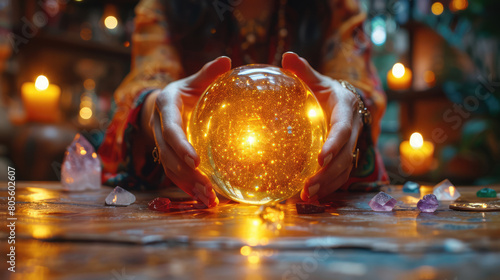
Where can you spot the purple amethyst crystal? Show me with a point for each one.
(382, 202)
(81, 169)
(429, 203)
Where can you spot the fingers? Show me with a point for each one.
(300, 67)
(336, 170)
(329, 178)
(178, 155)
(344, 121)
(190, 180)
(210, 71)
(167, 109)
(169, 105)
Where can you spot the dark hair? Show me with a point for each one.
(192, 23)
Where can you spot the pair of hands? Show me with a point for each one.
(163, 116)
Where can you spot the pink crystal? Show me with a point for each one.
(382, 202)
(429, 203)
(81, 169)
(120, 197)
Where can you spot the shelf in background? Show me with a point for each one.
(65, 41)
(410, 95)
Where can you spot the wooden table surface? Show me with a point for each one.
(73, 235)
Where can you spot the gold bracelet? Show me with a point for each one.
(156, 155)
(366, 116)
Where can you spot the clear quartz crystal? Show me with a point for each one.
(445, 190)
(120, 197)
(382, 202)
(81, 169)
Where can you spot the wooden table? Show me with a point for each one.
(73, 235)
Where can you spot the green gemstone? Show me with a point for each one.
(486, 192)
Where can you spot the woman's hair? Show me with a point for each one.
(193, 22)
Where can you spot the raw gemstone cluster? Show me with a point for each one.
(120, 197)
(382, 202)
(81, 169)
(429, 203)
(446, 191)
(486, 192)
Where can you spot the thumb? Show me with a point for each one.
(300, 67)
(210, 72)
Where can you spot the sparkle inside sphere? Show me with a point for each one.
(258, 130)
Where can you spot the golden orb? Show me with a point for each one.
(258, 130)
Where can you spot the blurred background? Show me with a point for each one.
(437, 60)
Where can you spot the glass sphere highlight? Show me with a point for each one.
(258, 130)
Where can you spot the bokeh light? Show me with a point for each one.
(85, 113)
(379, 35)
(379, 32)
(245, 250)
(458, 5)
(89, 84)
(86, 34)
(429, 77)
(111, 22)
(437, 8)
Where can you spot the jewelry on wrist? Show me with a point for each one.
(156, 155)
(366, 116)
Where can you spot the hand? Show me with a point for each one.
(178, 157)
(339, 105)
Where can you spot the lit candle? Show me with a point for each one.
(416, 155)
(399, 77)
(41, 100)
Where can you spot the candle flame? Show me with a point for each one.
(114, 199)
(416, 140)
(452, 191)
(398, 70)
(41, 83)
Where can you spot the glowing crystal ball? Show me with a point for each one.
(258, 130)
